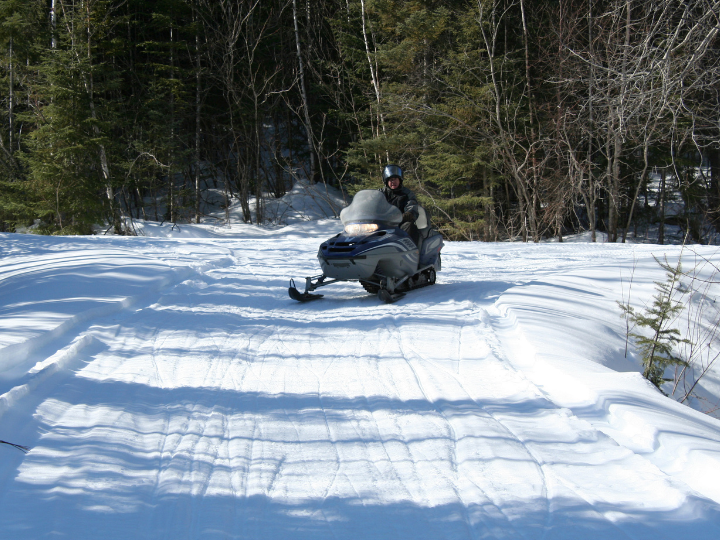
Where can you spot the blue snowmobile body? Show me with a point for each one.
(375, 251)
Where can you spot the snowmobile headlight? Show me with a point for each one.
(360, 228)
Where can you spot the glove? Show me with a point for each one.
(408, 217)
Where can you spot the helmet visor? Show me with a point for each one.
(392, 170)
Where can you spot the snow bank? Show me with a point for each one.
(168, 387)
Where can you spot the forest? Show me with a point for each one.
(512, 119)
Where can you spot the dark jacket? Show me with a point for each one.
(402, 198)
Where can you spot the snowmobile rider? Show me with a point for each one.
(402, 198)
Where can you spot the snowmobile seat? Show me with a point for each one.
(427, 232)
(422, 221)
(423, 225)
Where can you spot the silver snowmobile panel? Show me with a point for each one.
(390, 252)
(430, 250)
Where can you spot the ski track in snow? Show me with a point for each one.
(178, 393)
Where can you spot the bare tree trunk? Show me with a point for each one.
(11, 104)
(505, 140)
(104, 165)
(197, 118)
(616, 126)
(590, 201)
(303, 91)
(532, 213)
(641, 182)
(171, 157)
(661, 229)
(615, 183)
(714, 195)
(373, 75)
(53, 24)
(258, 182)
(489, 233)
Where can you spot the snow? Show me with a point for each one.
(169, 388)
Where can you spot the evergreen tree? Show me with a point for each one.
(20, 35)
(657, 349)
(71, 155)
(506, 115)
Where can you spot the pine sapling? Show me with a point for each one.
(656, 349)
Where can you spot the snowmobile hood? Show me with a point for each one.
(370, 205)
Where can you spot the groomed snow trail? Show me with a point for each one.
(201, 402)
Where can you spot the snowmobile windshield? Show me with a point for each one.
(370, 206)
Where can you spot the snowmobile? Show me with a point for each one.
(375, 251)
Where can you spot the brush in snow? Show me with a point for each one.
(24, 449)
(375, 251)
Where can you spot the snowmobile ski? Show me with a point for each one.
(301, 297)
(388, 297)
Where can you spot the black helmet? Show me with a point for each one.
(392, 170)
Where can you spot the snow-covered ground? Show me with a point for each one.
(168, 388)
